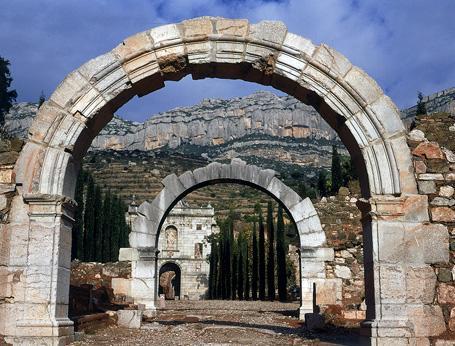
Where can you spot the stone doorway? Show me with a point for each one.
(169, 281)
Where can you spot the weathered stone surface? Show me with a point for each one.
(420, 167)
(343, 272)
(444, 275)
(427, 187)
(446, 191)
(446, 293)
(416, 135)
(442, 201)
(428, 150)
(428, 320)
(129, 318)
(420, 283)
(442, 214)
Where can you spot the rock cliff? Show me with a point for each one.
(211, 122)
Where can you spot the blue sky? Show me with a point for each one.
(406, 45)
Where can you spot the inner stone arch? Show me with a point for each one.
(353, 104)
(147, 226)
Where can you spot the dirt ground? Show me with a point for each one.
(222, 323)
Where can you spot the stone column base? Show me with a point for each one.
(39, 332)
(396, 332)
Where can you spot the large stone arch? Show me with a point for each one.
(366, 120)
(147, 225)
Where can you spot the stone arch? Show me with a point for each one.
(349, 100)
(366, 120)
(146, 227)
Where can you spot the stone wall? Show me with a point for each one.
(442, 101)
(433, 143)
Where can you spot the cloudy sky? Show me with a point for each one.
(406, 45)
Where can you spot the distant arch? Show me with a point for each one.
(146, 228)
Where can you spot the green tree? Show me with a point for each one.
(124, 228)
(98, 228)
(89, 220)
(271, 253)
(42, 99)
(213, 266)
(7, 97)
(246, 293)
(115, 229)
(241, 265)
(322, 183)
(77, 245)
(261, 258)
(254, 273)
(337, 178)
(106, 229)
(421, 108)
(234, 269)
(281, 255)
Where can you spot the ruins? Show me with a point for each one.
(404, 237)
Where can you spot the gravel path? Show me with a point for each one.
(221, 323)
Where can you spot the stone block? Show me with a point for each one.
(121, 286)
(443, 214)
(387, 114)
(129, 318)
(70, 90)
(133, 46)
(446, 191)
(420, 284)
(427, 320)
(231, 27)
(128, 254)
(299, 45)
(420, 167)
(393, 283)
(165, 35)
(7, 175)
(427, 186)
(331, 61)
(318, 253)
(442, 202)
(290, 66)
(446, 294)
(197, 28)
(272, 32)
(173, 185)
(303, 210)
(187, 179)
(343, 272)
(416, 135)
(318, 81)
(431, 176)
(428, 150)
(365, 89)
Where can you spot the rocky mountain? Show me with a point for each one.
(211, 122)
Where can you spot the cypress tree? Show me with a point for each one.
(235, 264)
(322, 183)
(271, 253)
(220, 273)
(98, 227)
(336, 171)
(106, 232)
(281, 255)
(254, 274)
(246, 293)
(77, 245)
(228, 254)
(115, 229)
(421, 108)
(212, 270)
(89, 220)
(241, 265)
(261, 258)
(124, 228)
(7, 97)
